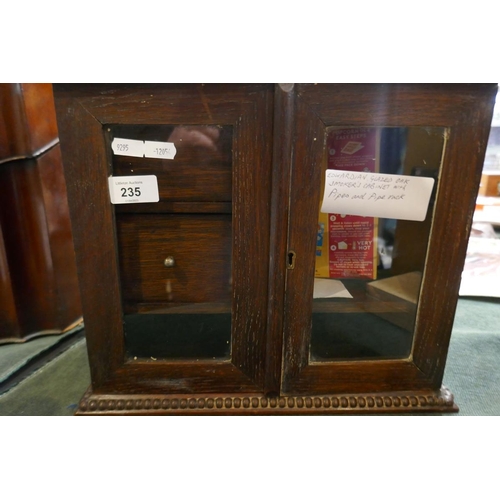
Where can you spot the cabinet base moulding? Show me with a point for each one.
(438, 401)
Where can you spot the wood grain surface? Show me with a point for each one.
(27, 120)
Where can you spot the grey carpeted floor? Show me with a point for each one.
(472, 372)
(473, 368)
(54, 389)
(17, 358)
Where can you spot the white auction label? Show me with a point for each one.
(143, 149)
(377, 195)
(156, 149)
(128, 147)
(133, 189)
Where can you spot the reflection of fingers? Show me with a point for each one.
(212, 132)
(197, 138)
(192, 137)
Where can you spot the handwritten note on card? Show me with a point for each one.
(377, 195)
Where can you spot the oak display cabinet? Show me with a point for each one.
(220, 275)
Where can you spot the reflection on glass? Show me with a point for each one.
(368, 270)
(175, 255)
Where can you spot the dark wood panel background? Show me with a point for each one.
(201, 170)
(27, 120)
(39, 284)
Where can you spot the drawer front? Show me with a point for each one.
(198, 253)
(201, 170)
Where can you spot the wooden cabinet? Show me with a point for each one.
(211, 298)
(38, 281)
(27, 122)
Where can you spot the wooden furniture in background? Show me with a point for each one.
(38, 284)
(490, 183)
(164, 336)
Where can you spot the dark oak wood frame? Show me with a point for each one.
(278, 145)
(84, 120)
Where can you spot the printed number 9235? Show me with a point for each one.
(128, 192)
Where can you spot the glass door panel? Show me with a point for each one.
(175, 254)
(370, 254)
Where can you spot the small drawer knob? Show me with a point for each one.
(169, 262)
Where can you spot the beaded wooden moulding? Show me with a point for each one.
(440, 401)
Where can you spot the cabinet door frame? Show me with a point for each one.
(465, 111)
(83, 113)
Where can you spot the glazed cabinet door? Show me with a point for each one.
(170, 193)
(383, 185)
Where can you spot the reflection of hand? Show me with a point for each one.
(205, 137)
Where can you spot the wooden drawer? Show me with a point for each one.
(200, 246)
(201, 170)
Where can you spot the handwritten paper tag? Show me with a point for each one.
(377, 195)
(143, 149)
(128, 147)
(156, 149)
(133, 189)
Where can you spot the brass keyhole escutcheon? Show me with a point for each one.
(290, 261)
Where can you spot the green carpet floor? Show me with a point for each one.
(54, 389)
(472, 371)
(15, 358)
